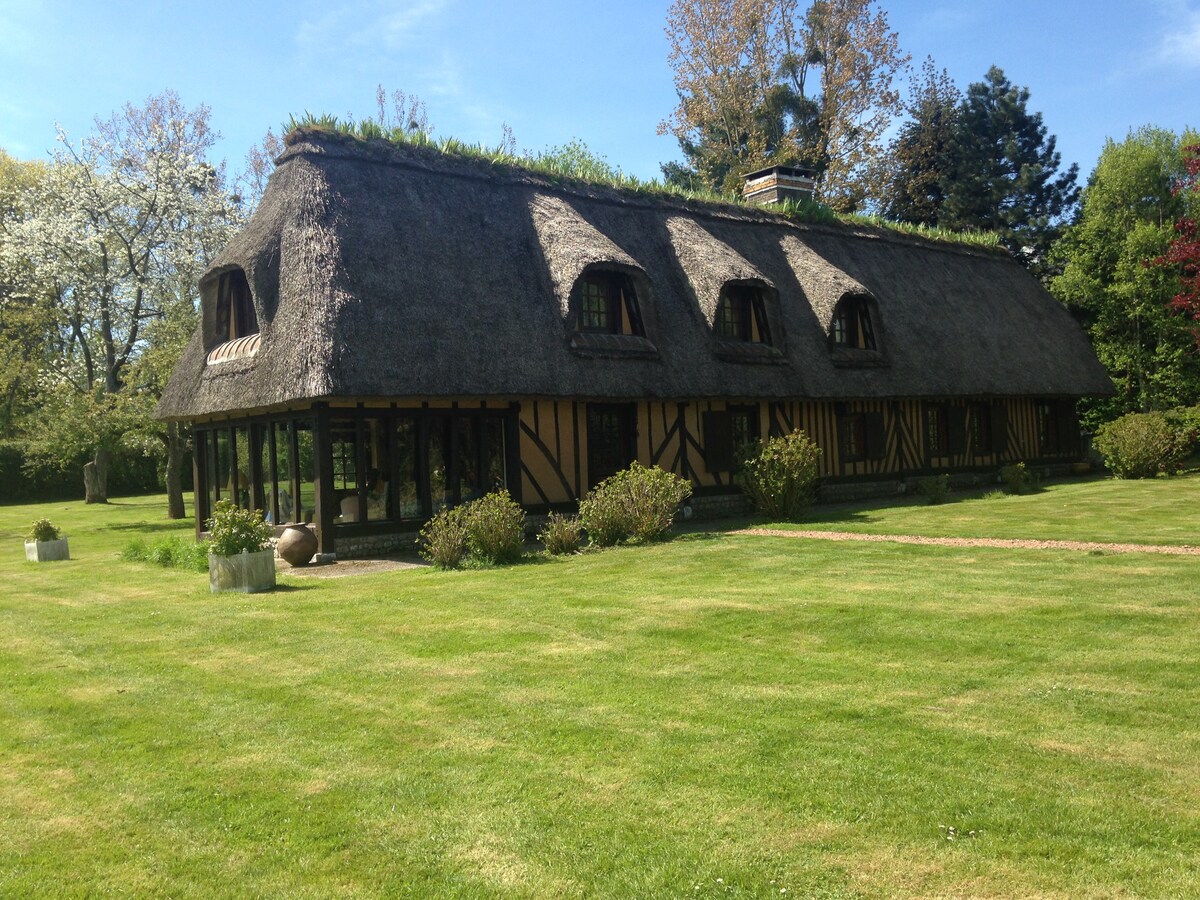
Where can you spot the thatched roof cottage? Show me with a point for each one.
(396, 329)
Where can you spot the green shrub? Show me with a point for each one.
(1186, 421)
(233, 530)
(170, 552)
(1140, 445)
(934, 488)
(995, 495)
(781, 475)
(638, 502)
(443, 539)
(43, 530)
(495, 528)
(1016, 478)
(561, 534)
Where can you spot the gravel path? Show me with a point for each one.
(977, 542)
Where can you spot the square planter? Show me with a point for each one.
(249, 573)
(47, 551)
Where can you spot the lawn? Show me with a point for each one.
(717, 716)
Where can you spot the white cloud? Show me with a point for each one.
(367, 23)
(1180, 46)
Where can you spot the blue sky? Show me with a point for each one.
(552, 70)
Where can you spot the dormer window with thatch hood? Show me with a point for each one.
(854, 332)
(234, 321)
(742, 315)
(608, 317)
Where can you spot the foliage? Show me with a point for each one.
(1016, 478)
(1124, 221)
(934, 488)
(761, 82)
(495, 528)
(781, 475)
(637, 502)
(919, 158)
(233, 530)
(113, 238)
(443, 539)
(1004, 171)
(561, 534)
(1183, 254)
(42, 530)
(1142, 445)
(169, 552)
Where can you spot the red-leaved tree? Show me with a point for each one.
(1184, 251)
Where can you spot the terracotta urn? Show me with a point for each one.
(296, 545)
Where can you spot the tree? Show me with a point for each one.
(115, 238)
(1004, 175)
(919, 159)
(1183, 254)
(1125, 220)
(761, 84)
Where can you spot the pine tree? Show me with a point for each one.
(919, 158)
(1005, 173)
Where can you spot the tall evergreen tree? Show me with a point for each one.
(1005, 174)
(919, 159)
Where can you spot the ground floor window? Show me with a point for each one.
(610, 439)
(727, 433)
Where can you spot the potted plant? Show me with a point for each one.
(240, 557)
(45, 543)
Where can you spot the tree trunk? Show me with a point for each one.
(95, 478)
(176, 447)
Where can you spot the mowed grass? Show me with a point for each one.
(1153, 511)
(716, 716)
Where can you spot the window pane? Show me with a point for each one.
(304, 460)
(379, 469)
(406, 469)
(440, 492)
(283, 473)
(468, 458)
(242, 495)
(223, 482)
(493, 436)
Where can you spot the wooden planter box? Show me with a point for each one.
(47, 551)
(249, 573)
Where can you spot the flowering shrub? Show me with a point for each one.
(561, 534)
(781, 475)
(43, 530)
(495, 528)
(1140, 445)
(233, 530)
(638, 502)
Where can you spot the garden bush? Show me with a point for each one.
(934, 488)
(637, 502)
(781, 475)
(561, 534)
(233, 530)
(495, 526)
(443, 539)
(1016, 478)
(169, 552)
(1141, 445)
(43, 530)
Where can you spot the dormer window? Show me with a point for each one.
(742, 315)
(236, 317)
(608, 304)
(851, 326)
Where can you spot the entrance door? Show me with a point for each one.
(610, 439)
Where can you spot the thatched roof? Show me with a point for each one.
(382, 271)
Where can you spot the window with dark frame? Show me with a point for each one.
(851, 328)
(608, 304)
(236, 316)
(742, 315)
(726, 433)
(937, 429)
(981, 429)
(611, 433)
(854, 437)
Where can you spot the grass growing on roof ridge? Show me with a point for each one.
(589, 169)
(714, 717)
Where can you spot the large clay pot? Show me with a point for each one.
(296, 545)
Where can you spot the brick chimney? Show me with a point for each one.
(777, 184)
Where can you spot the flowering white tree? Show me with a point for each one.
(115, 237)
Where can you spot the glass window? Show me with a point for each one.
(851, 326)
(609, 304)
(441, 493)
(406, 469)
(305, 455)
(937, 430)
(280, 478)
(741, 315)
(493, 443)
